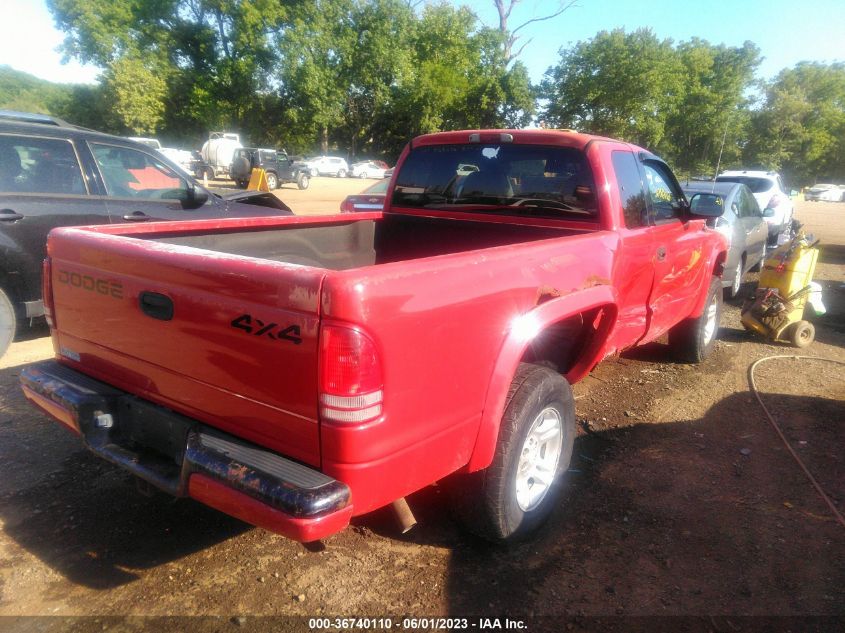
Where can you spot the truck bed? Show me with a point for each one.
(238, 348)
(361, 242)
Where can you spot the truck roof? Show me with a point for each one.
(538, 136)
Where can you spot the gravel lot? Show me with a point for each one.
(682, 501)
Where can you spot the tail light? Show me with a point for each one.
(47, 292)
(347, 206)
(351, 377)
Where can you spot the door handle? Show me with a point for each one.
(661, 253)
(10, 215)
(137, 216)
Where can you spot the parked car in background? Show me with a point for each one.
(825, 193)
(278, 168)
(368, 169)
(181, 157)
(741, 222)
(371, 199)
(388, 173)
(772, 196)
(328, 166)
(55, 174)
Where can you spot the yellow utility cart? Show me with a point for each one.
(777, 308)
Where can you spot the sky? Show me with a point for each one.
(815, 31)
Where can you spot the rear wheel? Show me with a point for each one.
(341, 173)
(272, 180)
(736, 286)
(520, 488)
(363, 174)
(692, 340)
(303, 181)
(8, 323)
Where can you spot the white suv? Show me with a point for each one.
(328, 166)
(771, 195)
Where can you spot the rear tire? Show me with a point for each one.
(736, 286)
(692, 340)
(8, 323)
(341, 173)
(517, 492)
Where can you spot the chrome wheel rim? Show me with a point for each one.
(710, 324)
(538, 459)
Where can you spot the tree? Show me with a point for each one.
(710, 123)
(800, 127)
(137, 95)
(215, 55)
(504, 8)
(624, 85)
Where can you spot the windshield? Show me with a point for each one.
(757, 185)
(506, 179)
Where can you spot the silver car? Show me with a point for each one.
(741, 222)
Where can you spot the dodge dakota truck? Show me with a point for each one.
(296, 372)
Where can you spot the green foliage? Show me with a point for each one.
(624, 85)
(137, 95)
(686, 102)
(23, 92)
(800, 128)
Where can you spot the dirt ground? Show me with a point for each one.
(681, 501)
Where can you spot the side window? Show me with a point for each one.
(39, 165)
(667, 201)
(746, 209)
(631, 192)
(129, 173)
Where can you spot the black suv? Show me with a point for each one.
(275, 163)
(56, 174)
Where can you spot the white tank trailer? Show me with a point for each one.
(219, 150)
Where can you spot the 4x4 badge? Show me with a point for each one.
(257, 327)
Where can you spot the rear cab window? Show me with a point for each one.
(39, 165)
(503, 179)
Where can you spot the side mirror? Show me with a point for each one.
(768, 213)
(195, 197)
(707, 205)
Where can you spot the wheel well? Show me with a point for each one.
(560, 344)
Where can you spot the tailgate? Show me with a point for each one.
(228, 340)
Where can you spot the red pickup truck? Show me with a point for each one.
(298, 371)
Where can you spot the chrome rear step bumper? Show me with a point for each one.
(188, 459)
